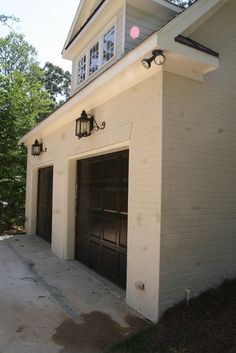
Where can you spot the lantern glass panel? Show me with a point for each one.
(37, 149)
(77, 127)
(85, 127)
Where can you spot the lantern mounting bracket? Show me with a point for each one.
(96, 127)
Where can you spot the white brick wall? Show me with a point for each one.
(198, 228)
(134, 121)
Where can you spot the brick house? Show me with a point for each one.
(149, 200)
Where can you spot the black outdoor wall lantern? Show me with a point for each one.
(85, 124)
(37, 148)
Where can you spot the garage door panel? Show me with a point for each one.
(110, 229)
(83, 196)
(102, 221)
(110, 262)
(96, 198)
(82, 247)
(111, 170)
(95, 255)
(123, 200)
(123, 233)
(83, 220)
(96, 225)
(125, 169)
(122, 268)
(96, 171)
(84, 173)
(111, 201)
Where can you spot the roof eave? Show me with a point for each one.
(124, 74)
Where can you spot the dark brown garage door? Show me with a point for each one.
(44, 213)
(102, 206)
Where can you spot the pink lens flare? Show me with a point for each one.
(134, 32)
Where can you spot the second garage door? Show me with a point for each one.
(44, 211)
(102, 209)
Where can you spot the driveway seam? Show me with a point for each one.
(72, 313)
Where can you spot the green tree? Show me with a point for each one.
(4, 19)
(23, 100)
(57, 83)
(183, 3)
(16, 54)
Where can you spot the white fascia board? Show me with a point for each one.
(78, 12)
(190, 16)
(123, 75)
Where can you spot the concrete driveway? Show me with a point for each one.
(50, 305)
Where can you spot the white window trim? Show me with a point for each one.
(114, 45)
(88, 58)
(77, 69)
(99, 39)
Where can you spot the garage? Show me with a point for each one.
(102, 211)
(44, 208)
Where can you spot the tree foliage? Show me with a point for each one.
(24, 99)
(183, 3)
(4, 19)
(16, 54)
(57, 82)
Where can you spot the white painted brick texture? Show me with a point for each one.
(198, 225)
(133, 119)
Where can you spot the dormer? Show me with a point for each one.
(103, 31)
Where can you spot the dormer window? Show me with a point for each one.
(97, 55)
(81, 70)
(108, 45)
(94, 58)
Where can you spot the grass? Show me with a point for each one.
(206, 325)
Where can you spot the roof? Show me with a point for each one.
(93, 14)
(168, 38)
(85, 23)
(193, 44)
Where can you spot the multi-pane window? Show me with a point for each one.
(82, 70)
(108, 45)
(94, 58)
(97, 55)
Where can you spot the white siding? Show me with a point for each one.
(146, 22)
(134, 122)
(198, 231)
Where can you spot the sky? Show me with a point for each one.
(45, 24)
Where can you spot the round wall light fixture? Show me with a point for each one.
(157, 56)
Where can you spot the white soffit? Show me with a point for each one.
(160, 8)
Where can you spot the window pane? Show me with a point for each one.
(82, 70)
(93, 58)
(108, 45)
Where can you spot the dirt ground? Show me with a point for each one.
(206, 325)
